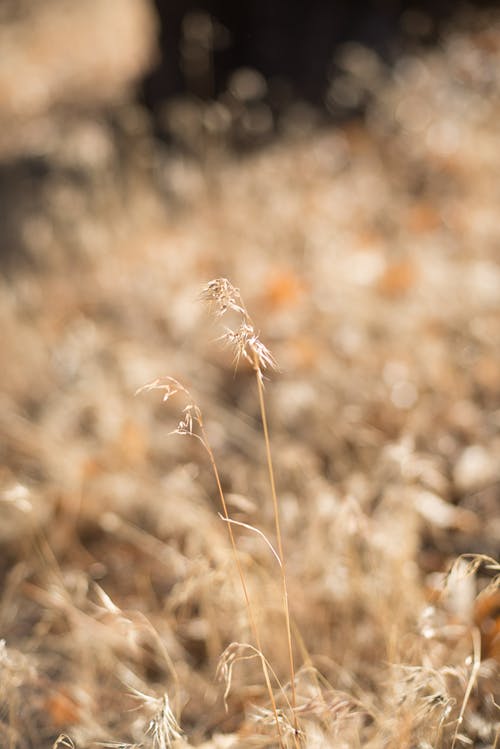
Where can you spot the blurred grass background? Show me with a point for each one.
(340, 165)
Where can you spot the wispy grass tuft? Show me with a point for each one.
(245, 340)
(192, 424)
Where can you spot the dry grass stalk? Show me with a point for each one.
(193, 419)
(476, 664)
(223, 296)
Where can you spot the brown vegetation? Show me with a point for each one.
(368, 258)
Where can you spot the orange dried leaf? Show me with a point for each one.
(487, 619)
(397, 279)
(61, 709)
(283, 289)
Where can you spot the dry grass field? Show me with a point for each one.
(299, 547)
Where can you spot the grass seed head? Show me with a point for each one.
(163, 728)
(247, 345)
(222, 296)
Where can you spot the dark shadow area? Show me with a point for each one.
(291, 43)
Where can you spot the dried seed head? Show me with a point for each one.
(192, 416)
(247, 344)
(169, 385)
(163, 728)
(235, 651)
(222, 296)
(191, 413)
(63, 740)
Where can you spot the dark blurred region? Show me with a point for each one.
(292, 48)
(290, 40)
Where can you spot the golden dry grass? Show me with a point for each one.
(368, 258)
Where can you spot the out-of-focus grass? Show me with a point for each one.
(369, 255)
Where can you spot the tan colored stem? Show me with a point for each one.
(272, 482)
(251, 617)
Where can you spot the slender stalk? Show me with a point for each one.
(192, 415)
(251, 617)
(476, 665)
(272, 482)
(246, 342)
